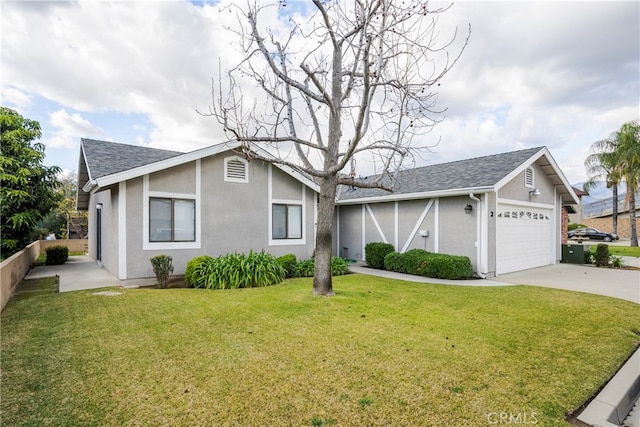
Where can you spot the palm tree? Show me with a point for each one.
(603, 165)
(628, 149)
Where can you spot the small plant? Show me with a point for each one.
(375, 252)
(602, 255)
(57, 255)
(289, 262)
(319, 422)
(190, 276)
(162, 268)
(306, 268)
(616, 261)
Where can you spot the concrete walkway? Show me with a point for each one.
(78, 273)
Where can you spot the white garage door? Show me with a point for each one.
(523, 238)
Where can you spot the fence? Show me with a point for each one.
(14, 268)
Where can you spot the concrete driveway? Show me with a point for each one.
(617, 283)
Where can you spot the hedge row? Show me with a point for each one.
(423, 263)
(254, 270)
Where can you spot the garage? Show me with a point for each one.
(524, 238)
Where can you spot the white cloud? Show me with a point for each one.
(68, 129)
(561, 74)
(15, 98)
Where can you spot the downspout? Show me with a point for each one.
(479, 237)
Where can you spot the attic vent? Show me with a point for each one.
(528, 177)
(235, 169)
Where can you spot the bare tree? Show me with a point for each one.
(356, 79)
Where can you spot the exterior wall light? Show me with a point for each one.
(468, 209)
(534, 193)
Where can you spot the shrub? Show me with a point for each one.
(375, 252)
(442, 266)
(289, 262)
(306, 268)
(56, 255)
(423, 263)
(162, 268)
(233, 271)
(339, 266)
(190, 276)
(616, 261)
(602, 255)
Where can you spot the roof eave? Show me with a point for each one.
(414, 196)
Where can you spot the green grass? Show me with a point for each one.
(381, 352)
(29, 288)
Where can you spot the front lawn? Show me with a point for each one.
(381, 352)
(632, 251)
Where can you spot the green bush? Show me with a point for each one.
(57, 255)
(233, 271)
(423, 263)
(375, 252)
(306, 268)
(162, 268)
(192, 266)
(289, 262)
(442, 266)
(339, 266)
(602, 255)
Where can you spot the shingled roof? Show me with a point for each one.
(478, 172)
(106, 158)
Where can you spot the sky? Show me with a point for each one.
(558, 74)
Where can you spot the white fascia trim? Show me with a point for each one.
(122, 230)
(89, 186)
(165, 164)
(543, 152)
(413, 196)
(146, 244)
(271, 201)
(525, 204)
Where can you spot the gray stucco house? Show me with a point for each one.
(143, 202)
(505, 211)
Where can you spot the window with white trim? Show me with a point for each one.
(286, 221)
(528, 177)
(172, 220)
(236, 169)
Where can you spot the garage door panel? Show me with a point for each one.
(523, 238)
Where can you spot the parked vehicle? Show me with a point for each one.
(591, 234)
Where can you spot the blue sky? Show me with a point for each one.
(560, 74)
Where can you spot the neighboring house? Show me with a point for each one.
(143, 202)
(506, 212)
(598, 213)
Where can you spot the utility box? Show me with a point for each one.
(573, 253)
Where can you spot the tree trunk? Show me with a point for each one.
(614, 215)
(632, 216)
(322, 284)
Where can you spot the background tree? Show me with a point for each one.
(354, 80)
(602, 165)
(628, 149)
(28, 190)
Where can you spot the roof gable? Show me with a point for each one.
(464, 175)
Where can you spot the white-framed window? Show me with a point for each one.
(529, 177)
(286, 221)
(236, 169)
(172, 220)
